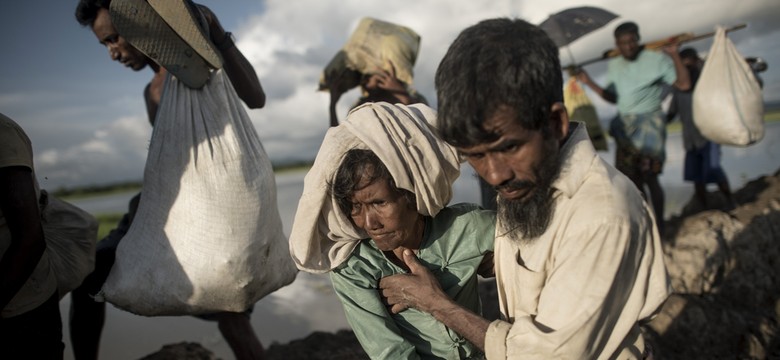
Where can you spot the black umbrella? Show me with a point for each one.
(571, 24)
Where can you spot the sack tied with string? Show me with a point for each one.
(728, 106)
(207, 235)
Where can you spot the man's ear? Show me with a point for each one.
(559, 121)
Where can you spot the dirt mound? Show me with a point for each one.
(725, 273)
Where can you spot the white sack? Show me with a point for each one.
(71, 234)
(728, 106)
(374, 46)
(207, 236)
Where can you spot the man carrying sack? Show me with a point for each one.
(207, 237)
(379, 57)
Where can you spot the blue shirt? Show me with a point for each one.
(638, 84)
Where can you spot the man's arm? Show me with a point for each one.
(672, 112)
(683, 81)
(20, 209)
(419, 289)
(604, 93)
(387, 81)
(594, 295)
(368, 316)
(336, 90)
(237, 67)
(153, 93)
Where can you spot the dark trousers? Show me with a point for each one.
(36, 334)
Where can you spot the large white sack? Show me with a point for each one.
(207, 236)
(728, 106)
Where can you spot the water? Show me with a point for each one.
(309, 304)
(306, 305)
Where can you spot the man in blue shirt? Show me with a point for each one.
(635, 82)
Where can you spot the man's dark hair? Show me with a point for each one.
(361, 167)
(86, 10)
(494, 64)
(628, 27)
(689, 53)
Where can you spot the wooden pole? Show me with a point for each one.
(679, 39)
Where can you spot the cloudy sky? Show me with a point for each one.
(86, 117)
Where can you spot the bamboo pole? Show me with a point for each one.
(679, 39)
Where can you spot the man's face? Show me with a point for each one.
(689, 62)
(388, 217)
(119, 49)
(521, 165)
(628, 45)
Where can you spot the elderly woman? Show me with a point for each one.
(379, 186)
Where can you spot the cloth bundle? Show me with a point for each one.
(728, 106)
(207, 236)
(71, 234)
(402, 137)
(374, 45)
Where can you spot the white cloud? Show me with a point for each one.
(116, 152)
(291, 41)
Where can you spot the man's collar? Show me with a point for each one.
(577, 155)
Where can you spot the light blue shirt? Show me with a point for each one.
(638, 84)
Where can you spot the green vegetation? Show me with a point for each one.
(293, 166)
(106, 223)
(772, 115)
(82, 192)
(96, 190)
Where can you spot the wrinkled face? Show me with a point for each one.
(119, 49)
(628, 45)
(388, 217)
(522, 166)
(510, 163)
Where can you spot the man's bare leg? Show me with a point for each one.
(701, 193)
(239, 334)
(86, 323)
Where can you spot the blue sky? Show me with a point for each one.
(86, 117)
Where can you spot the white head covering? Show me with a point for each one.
(402, 137)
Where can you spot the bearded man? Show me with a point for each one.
(578, 259)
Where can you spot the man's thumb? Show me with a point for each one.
(411, 260)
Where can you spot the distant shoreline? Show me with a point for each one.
(88, 191)
(81, 192)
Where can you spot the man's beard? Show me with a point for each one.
(527, 219)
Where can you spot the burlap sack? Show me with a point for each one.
(71, 234)
(728, 106)
(207, 235)
(374, 45)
